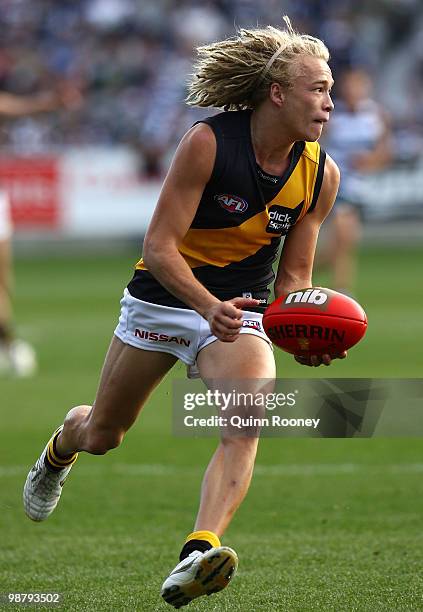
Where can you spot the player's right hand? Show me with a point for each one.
(225, 318)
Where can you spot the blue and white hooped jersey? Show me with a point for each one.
(349, 134)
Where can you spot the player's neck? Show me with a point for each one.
(271, 148)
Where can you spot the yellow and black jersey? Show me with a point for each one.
(243, 213)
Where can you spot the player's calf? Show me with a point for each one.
(100, 441)
(85, 431)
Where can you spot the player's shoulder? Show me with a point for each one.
(201, 141)
(329, 189)
(332, 173)
(195, 155)
(199, 137)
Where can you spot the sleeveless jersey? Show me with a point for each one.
(235, 235)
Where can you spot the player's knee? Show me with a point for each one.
(245, 445)
(100, 441)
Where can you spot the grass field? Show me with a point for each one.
(331, 525)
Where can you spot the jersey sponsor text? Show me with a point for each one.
(159, 337)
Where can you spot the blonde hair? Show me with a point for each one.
(237, 73)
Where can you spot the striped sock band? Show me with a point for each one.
(208, 536)
(199, 540)
(53, 460)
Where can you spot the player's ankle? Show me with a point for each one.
(199, 540)
(54, 459)
(63, 450)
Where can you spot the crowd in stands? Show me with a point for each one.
(130, 59)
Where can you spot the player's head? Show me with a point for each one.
(263, 65)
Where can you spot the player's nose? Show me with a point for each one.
(328, 105)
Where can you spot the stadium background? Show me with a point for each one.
(328, 524)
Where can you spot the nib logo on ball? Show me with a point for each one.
(315, 321)
(310, 296)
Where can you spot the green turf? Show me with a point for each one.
(331, 525)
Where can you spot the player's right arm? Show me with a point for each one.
(178, 202)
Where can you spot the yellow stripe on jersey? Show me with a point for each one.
(222, 246)
(305, 174)
(312, 151)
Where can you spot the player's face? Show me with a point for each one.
(307, 103)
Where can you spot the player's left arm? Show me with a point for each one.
(296, 262)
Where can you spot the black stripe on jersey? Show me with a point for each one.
(232, 132)
(225, 283)
(319, 180)
(226, 126)
(213, 216)
(219, 162)
(145, 287)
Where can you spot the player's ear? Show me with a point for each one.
(277, 94)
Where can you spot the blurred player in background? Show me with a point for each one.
(239, 181)
(17, 356)
(359, 140)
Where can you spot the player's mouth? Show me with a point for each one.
(321, 121)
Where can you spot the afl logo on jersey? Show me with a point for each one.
(231, 203)
(251, 324)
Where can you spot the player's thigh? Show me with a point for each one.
(241, 370)
(249, 357)
(128, 377)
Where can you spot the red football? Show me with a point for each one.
(315, 321)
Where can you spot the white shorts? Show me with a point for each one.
(6, 227)
(178, 331)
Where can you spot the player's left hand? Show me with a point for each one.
(225, 318)
(315, 361)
